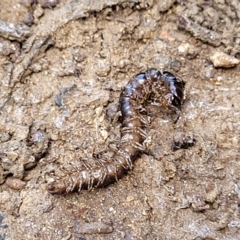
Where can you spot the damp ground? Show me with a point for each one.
(62, 68)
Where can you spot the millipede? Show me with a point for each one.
(166, 90)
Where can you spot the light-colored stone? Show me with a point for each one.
(220, 59)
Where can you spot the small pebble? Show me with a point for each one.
(38, 12)
(164, 5)
(184, 48)
(220, 59)
(211, 192)
(103, 68)
(28, 19)
(48, 3)
(15, 183)
(209, 71)
(112, 110)
(93, 228)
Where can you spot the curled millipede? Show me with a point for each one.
(163, 88)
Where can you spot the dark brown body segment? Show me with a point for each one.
(165, 89)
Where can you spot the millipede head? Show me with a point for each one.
(153, 73)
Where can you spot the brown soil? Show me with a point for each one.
(61, 77)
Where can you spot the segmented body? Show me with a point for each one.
(165, 89)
